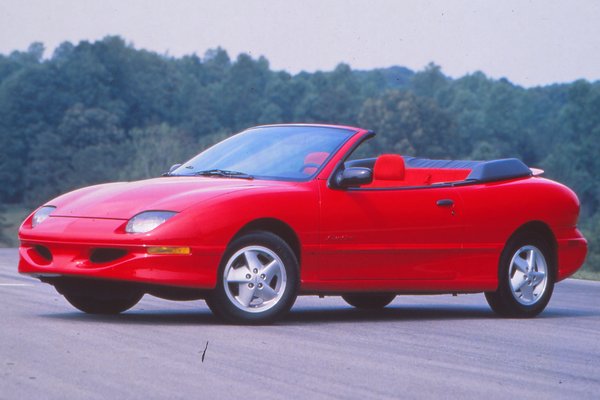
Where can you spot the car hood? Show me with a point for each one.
(123, 200)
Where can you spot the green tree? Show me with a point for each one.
(409, 125)
(430, 82)
(81, 152)
(243, 92)
(332, 97)
(155, 149)
(102, 110)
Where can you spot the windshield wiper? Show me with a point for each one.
(225, 173)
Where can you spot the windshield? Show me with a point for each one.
(274, 152)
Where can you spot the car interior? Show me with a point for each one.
(393, 170)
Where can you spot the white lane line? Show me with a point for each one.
(15, 284)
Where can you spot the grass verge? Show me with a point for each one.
(589, 275)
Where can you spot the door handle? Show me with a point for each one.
(445, 202)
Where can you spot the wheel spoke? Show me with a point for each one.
(266, 293)
(531, 259)
(270, 270)
(238, 275)
(518, 284)
(538, 276)
(252, 260)
(521, 264)
(527, 292)
(246, 294)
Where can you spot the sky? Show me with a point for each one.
(528, 42)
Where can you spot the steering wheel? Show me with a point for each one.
(309, 165)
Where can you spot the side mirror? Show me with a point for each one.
(353, 176)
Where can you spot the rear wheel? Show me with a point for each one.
(258, 280)
(526, 277)
(369, 300)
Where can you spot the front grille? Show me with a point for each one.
(99, 256)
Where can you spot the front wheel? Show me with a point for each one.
(103, 303)
(369, 300)
(258, 280)
(526, 277)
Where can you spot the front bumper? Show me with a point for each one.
(50, 259)
(69, 247)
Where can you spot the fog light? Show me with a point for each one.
(169, 250)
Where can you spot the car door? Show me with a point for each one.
(390, 233)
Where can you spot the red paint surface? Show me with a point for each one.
(350, 240)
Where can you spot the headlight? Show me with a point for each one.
(41, 215)
(148, 220)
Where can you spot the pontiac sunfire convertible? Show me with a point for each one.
(286, 210)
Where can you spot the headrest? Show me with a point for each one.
(389, 167)
(313, 161)
(316, 158)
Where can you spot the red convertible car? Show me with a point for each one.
(286, 210)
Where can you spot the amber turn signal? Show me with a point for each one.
(169, 250)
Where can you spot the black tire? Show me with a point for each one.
(95, 296)
(227, 302)
(369, 300)
(103, 303)
(507, 301)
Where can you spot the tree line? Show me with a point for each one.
(101, 111)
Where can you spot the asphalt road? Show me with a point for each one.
(418, 347)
